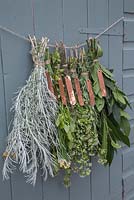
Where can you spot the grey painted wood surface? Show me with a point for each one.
(62, 20)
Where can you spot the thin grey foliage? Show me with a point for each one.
(33, 131)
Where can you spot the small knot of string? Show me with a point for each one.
(38, 50)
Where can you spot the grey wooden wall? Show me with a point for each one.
(71, 21)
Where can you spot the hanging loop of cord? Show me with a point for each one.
(67, 47)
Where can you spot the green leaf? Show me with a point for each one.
(105, 132)
(117, 132)
(96, 87)
(115, 144)
(106, 72)
(116, 112)
(72, 126)
(58, 120)
(119, 97)
(100, 104)
(110, 153)
(66, 128)
(93, 72)
(70, 137)
(125, 125)
(124, 114)
(110, 84)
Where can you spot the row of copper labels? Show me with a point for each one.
(70, 91)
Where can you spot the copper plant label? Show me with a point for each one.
(50, 85)
(102, 84)
(90, 92)
(78, 91)
(70, 90)
(62, 92)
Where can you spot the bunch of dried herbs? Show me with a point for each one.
(114, 121)
(34, 132)
(69, 111)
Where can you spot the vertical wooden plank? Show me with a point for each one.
(100, 181)
(17, 15)
(17, 66)
(54, 188)
(80, 188)
(115, 57)
(116, 177)
(5, 187)
(48, 19)
(128, 77)
(3, 131)
(74, 18)
(115, 12)
(98, 14)
(115, 63)
(3, 125)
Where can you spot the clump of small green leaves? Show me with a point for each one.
(86, 140)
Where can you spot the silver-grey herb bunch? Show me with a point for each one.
(33, 132)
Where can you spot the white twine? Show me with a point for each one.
(67, 47)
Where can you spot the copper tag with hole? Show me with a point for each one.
(78, 91)
(70, 90)
(102, 83)
(62, 92)
(90, 92)
(49, 81)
